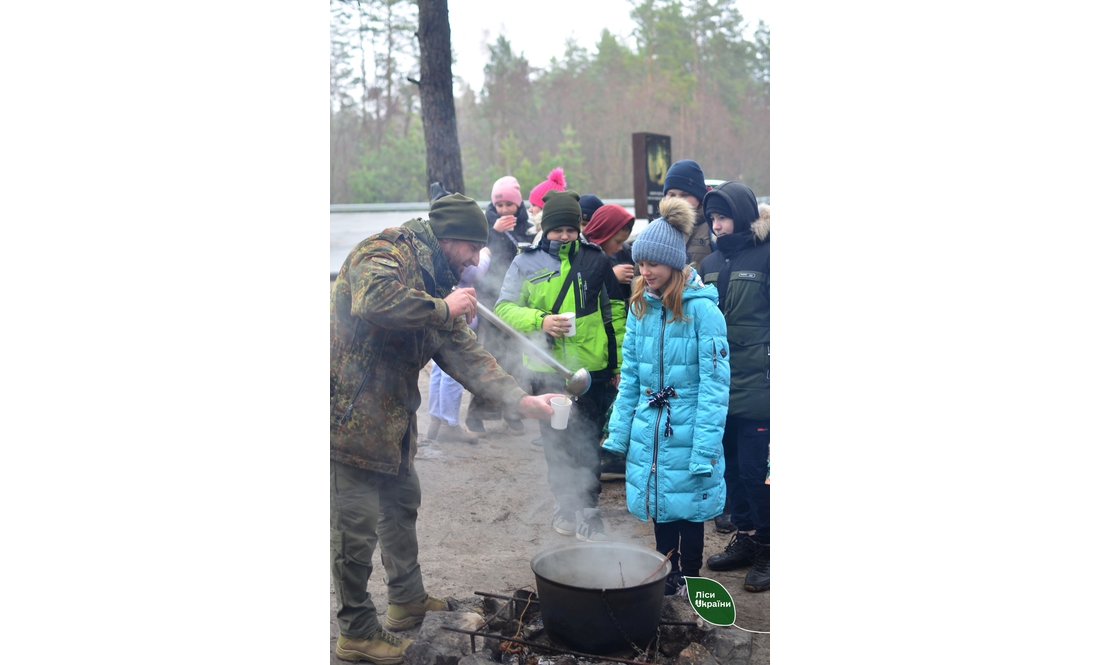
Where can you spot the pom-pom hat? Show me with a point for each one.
(555, 180)
(665, 239)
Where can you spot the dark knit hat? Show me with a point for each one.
(687, 175)
(664, 240)
(589, 203)
(561, 209)
(734, 200)
(459, 218)
(717, 204)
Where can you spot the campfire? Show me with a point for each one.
(507, 629)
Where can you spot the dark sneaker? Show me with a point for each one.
(590, 526)
(612, 467)
(381, 648)
(433, 428)
(475, 425)
(740, 552)
(515, 426)
(760, 575)
(537, 444)
(564, 522)
(411, 615)
(722, 524)
(675, 585)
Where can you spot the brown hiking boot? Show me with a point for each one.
(411, 615)
(381, 648)
(456, 433)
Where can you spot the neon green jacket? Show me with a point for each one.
(531, 287)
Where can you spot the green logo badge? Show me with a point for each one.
(711, 601)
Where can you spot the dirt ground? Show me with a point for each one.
(486, 512)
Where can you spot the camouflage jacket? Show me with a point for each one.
(387, 319)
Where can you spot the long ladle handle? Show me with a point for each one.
(528, 344)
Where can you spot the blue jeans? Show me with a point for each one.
(748, 499)
(444, 396)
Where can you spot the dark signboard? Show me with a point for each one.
(652, 157)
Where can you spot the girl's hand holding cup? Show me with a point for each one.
(505, 223)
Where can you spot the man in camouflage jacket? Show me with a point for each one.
(392, 309)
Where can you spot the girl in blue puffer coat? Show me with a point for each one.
(670, 413)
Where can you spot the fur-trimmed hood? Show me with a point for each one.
(761, 228)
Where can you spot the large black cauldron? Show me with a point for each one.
(592, 597)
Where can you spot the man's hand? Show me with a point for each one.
(615, 380)
(462, 302)
(537, 406)
(505, 223)
(624, 272)
(555, 324)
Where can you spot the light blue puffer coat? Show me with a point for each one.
(678, 476)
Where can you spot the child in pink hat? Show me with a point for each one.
(555, 180)
(509, 229)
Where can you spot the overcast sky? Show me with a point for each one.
(539, 29)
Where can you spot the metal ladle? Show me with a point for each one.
(576, 383)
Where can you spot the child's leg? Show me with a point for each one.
(691, 547)
(737, 500)
(450, 399)
(752, 451)
(560, 471)
(583, 433)
(434, 380)
(667, 535)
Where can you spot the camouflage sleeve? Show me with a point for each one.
(463, 359)
(377, 275)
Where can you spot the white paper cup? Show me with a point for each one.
(572, 317)
(561, 406)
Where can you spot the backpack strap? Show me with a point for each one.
(570, 277)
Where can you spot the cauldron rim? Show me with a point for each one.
(657, 558)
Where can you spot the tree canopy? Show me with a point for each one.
(694, 71)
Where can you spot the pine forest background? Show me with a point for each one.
(696, 72)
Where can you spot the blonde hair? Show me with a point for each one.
(672, 299)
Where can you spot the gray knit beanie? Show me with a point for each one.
(664, 240)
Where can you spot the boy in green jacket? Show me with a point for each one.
(566, 273)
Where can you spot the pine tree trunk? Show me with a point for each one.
(437, 102)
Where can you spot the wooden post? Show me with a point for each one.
(652, 157)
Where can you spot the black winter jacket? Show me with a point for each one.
(503, 248)
(740, 270)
